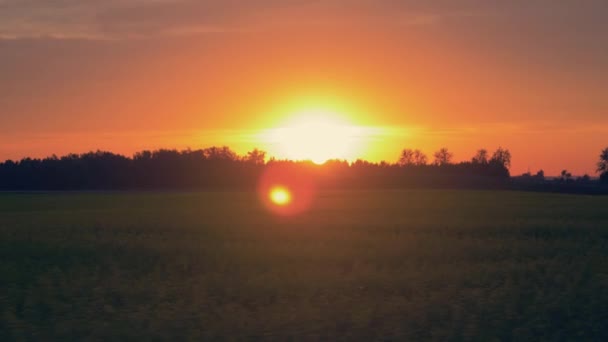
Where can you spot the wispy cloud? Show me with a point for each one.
(111, 19)
(120, 19)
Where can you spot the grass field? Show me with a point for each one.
(417, 265)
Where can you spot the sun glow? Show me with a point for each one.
(317, 136)
(280, 196)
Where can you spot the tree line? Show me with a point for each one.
(222, 168)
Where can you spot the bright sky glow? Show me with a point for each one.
(317, 136)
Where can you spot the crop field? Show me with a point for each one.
(365, 265)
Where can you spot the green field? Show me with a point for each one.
(416, 265)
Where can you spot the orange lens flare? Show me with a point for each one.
(286, 189)
(280, 196)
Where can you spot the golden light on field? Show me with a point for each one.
(280, 196)
(316, 135)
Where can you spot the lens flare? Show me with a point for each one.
(286, 189)
(280, 196)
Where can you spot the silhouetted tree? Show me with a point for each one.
(256, 157)
(565, 176)
(420, 158)
(220, 153)
(443, 157)
(602, 166)
(361, 163)
(503, 157)
(222, 168)
(411, 157)
(481, 157)
(406, 158)
(540, 175)
(584, 179)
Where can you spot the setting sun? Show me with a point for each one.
(294, 170)
(280, 196)
(316, 136)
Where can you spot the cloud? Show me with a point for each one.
(116, 19)
(120, 19)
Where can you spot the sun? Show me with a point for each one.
(280, 196)
(316, 136)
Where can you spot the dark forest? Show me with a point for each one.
(220, 168)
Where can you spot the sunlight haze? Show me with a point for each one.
(294, 170)
(132, 75)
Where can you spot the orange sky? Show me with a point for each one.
(132, 75)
